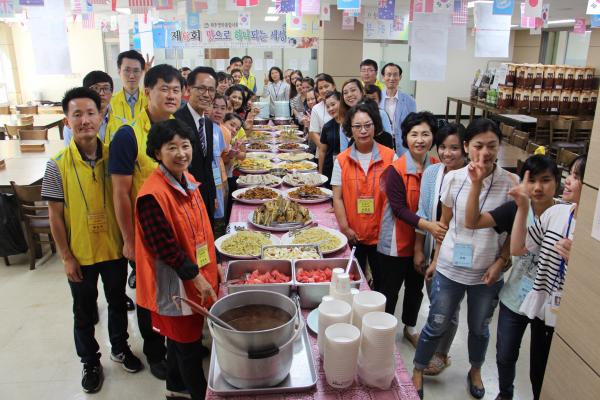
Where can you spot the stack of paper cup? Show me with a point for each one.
(347, 297)
(331, 312)
(342, 342)
(376, 358)
(334, 278)
(365, 302)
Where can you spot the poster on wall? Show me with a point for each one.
(382, 29)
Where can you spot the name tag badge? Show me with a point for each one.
(202, 255)
(365, 205)
(555, 300)
(217, 175)
(97, 222)
(463, 255)
(525, 286)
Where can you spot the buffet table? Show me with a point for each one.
(401, 388)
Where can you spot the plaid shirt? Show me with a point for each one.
(159, 237)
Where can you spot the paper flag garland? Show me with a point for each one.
(244, 20)
(386, 8)
(593, 7)
(325, 12)
(503, 7)
(310, 7)
(533, 8)
(579, 25)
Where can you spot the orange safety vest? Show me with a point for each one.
(157, 282)
(356, 184)
(392, 226)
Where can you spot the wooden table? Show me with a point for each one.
(42, 109)
(25, 168)
(40, 121)
(509, 156)
(522, 122)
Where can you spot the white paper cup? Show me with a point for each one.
(365, 302)
(335, 273)
(342, 342)
(376, 361)
(326, 298)
(342, 285)
(331, 312)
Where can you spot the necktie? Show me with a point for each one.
(131, 102)
(202, 136)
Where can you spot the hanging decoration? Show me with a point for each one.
(348, 4)
(386, 9)
(325, 12)
(503, 7)
(460, 15)
(310, 7)
(140, 6)
(347, 23)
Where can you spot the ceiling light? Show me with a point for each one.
(271, 10)
(561, 21)
(272, 18)
(123, 10)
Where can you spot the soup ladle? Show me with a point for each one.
(202, 311)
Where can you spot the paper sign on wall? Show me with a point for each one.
(310, 7)
(347, 23)
(492, 32)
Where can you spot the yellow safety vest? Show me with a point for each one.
(92, 230)
(378, 83)
(120, 107)
(249, 82)
(113, 125)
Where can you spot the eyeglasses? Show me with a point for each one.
(359, 128)
(204, 89)
(135, 71)
(367, 70)
(101, 89)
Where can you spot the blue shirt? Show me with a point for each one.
(404, 106)
(123, 152)
(218, 148)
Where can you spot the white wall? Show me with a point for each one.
(460, 71)
(86, 51)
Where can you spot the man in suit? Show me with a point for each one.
(202, 87)
(397, 104)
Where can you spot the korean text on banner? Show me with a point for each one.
(492, 32)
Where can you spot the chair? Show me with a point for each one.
(542, 131)
(33, 134)
(520, 139)
(566, 158)
(582, 132)
(531, 147)
(560, 137)
(12, 131)
(5, 110)
(34, 213)
(507, 131)
(27, 109)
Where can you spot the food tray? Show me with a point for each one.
(303, 246)
(312, 293)
(236, 269)
(230, 232)
(303, 375)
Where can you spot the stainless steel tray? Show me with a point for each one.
(303, 375)
(312, 293)
(236, 269)
(314, 247)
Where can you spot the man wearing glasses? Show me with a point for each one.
(130, 101)
(101, 83)
(202, 86)
(368, 74)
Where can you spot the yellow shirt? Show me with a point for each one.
(120, 107)
(378, 83)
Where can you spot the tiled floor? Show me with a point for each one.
(38, 360)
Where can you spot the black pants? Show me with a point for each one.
(85, 295)
(364, 252)
(184, 368)
(394, 272)
(154, 343)
(541, 339)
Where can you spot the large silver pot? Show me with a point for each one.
(251, 359)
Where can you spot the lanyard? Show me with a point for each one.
(81, 188)
(563, 263)
(482, 204)
(278, 89)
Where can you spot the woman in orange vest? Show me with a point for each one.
(175, 254)
(357, 200)
(401, 183)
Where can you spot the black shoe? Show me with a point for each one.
(92, 379)
(130, 362)
(130, 303)
(159, 369)
(131, 279)
(475, 391)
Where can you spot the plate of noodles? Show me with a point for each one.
(329, 240)
(244, 245)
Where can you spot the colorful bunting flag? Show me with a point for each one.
(140, 6)
(294, 22)
(386, 8)
(193, 21)
(593, 7)
(7, 8)
(461, 15)
(196, 6)
(579, 25)
(533, 8)
(325, 12)
(310, 7)
(160, 4)
(87, 21)
(31, 2)
(595, 20)
(286, 6)
(348, 4)
(244, 20)
(246, 3)
(545, 14)
(443, 6)
(503, 7)
(347, 23)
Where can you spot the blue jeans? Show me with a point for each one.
(511, 327)
(446, 296)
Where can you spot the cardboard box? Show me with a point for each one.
(579, 78)
(549, 73)
(511, 75)
(569, 78)
(559, 77)
(539, 76)
(589, 78)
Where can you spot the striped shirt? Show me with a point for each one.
(487, 243)
(541, 238)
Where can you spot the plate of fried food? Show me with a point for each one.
(291, 252)
(291, 136)
(280, 215)
(298, 166)
(255, 195)
(309, 194)
(244, 244)
(261, 136)
(302, 179)
(255, 165)
(258, 146)
(328, 240)
(294, 157)
(259, 180)
(292, 147)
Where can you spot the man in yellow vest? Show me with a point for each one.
(82, 219)
(101, 83)
(248, 79)
(130, 101)
(129, 166)
(368, 73)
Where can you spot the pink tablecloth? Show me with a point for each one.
(402, 387)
